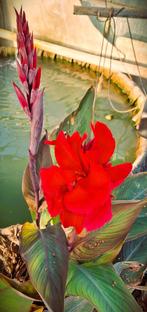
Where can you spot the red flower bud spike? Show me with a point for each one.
(32, 99)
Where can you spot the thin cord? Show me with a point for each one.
(135, 57)
(110, 101)
(98, 80)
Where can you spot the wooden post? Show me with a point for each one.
(107, 12)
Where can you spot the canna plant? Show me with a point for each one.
(87, 243)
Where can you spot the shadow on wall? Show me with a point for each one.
(4, 21)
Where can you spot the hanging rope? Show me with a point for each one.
(99, 80)
(135, 57)
(109, 81)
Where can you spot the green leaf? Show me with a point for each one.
(139, 228)
(135, 187)
(43, 160)
(10, 301)
(101, 286)
(131, 272)
(25, 288)
(46, 256)
(77, 304)
(80, 119)
(104, 245)
(135, 250)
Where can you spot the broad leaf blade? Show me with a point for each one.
(43, 160)
(77, 304)
(101, 286)
(135, 250)
(139, 228)
(80, 119)
(10, 301)
(104, 245)
(46, 255)
(135, 187)
(25, 289)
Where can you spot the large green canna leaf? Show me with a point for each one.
(80, 119)
(77, 304)
(101, 286)
(135, 250)
(10, 301)
(135, 187)
(104, 245)
(43, 160)
(46, 256)
(139, 228)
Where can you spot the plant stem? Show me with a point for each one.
(35, 182)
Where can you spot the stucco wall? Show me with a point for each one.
(53, 21)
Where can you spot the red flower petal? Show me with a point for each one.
(119, 173)
(65, 153)
(53, 186)
(100, 217)
(103, 143)
(69, 219)
(89, 193)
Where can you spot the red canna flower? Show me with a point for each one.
(79, 188)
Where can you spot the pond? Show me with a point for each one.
(65, 86)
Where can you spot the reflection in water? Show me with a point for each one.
(64, 88)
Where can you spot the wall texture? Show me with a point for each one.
(53, 21)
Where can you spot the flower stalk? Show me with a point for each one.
(30, 96)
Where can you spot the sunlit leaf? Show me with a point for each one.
(41, 309)
(135, 187)
(25, 288)
(46, 256)
(104, 245)
(101, 286)
(80, 119)
(77, 304)
(43, 160)
(10, 301)
(131, 272)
